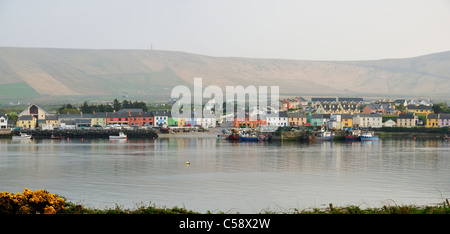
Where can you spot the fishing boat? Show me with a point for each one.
(23, 136)
(368, 136)
(324, 136)
(354, 135)
(120, 136)
(247, 137)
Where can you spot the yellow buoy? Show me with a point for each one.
(188, 163)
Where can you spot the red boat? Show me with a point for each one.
(233, 137)
(55, 137)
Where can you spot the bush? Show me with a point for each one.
(29, 202)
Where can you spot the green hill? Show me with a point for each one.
(42, 74)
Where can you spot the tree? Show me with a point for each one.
(116, 105)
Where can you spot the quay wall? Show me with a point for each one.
(89, 133)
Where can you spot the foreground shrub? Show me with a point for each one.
(29, 202)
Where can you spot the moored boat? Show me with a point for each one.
(120, 136)
(368, 136)
(22, 136)
(53, 137)
(248, 138)
(354, 135)
(324, 136)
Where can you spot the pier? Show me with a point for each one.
(88, 133)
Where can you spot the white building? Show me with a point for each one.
(368, 120)
(389, 123)
(3, 121)
(160, 118)
(335, 122)
(278, 119)
(206, 122)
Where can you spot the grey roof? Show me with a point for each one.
(413, 107)
(160, 113)
(369, 115)
(432, 116)
(296, 115)
(51, 117)
(75, 116)
(320, 116)
(26, 117)
(346, 116)
(130, 110)
(283, 114)
(82, 121)
(406, 116)
(444, 116)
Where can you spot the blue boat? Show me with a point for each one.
(368, 136)
(248, 138)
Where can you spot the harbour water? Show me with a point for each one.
(246, 177)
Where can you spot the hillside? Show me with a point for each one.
(78, 74)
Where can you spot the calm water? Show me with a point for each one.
(231, 177)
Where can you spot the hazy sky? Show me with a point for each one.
(311, 30)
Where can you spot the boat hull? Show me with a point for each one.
(248, 138)
(369, 138)
(352, 138)
(324, 138)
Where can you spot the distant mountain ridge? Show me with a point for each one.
(30, 73)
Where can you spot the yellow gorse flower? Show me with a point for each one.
(30, 202)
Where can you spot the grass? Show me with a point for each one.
(443, 208)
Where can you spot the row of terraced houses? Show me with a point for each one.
(335, 113)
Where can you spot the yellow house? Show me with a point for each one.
(347, 121)
(99, 119)
(432, 121)
(181, 121)
(51, 119)
(26, 121)
(420, 109)
(297, 119)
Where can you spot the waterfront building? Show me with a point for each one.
(99, 119)
(3, 121)
(278, 119)
(407, 120)
(347, 120)
(319, 119)
(160, 118)
(36, 111)
(26, 122)
(335, 122)
(368, 120)
(444, 120)
(249, 121)
(297, 119)
(432, 121)
(49, 123)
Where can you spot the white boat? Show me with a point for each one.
(324, 136)
(22, 136)
(120, 136)
(368, 136)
